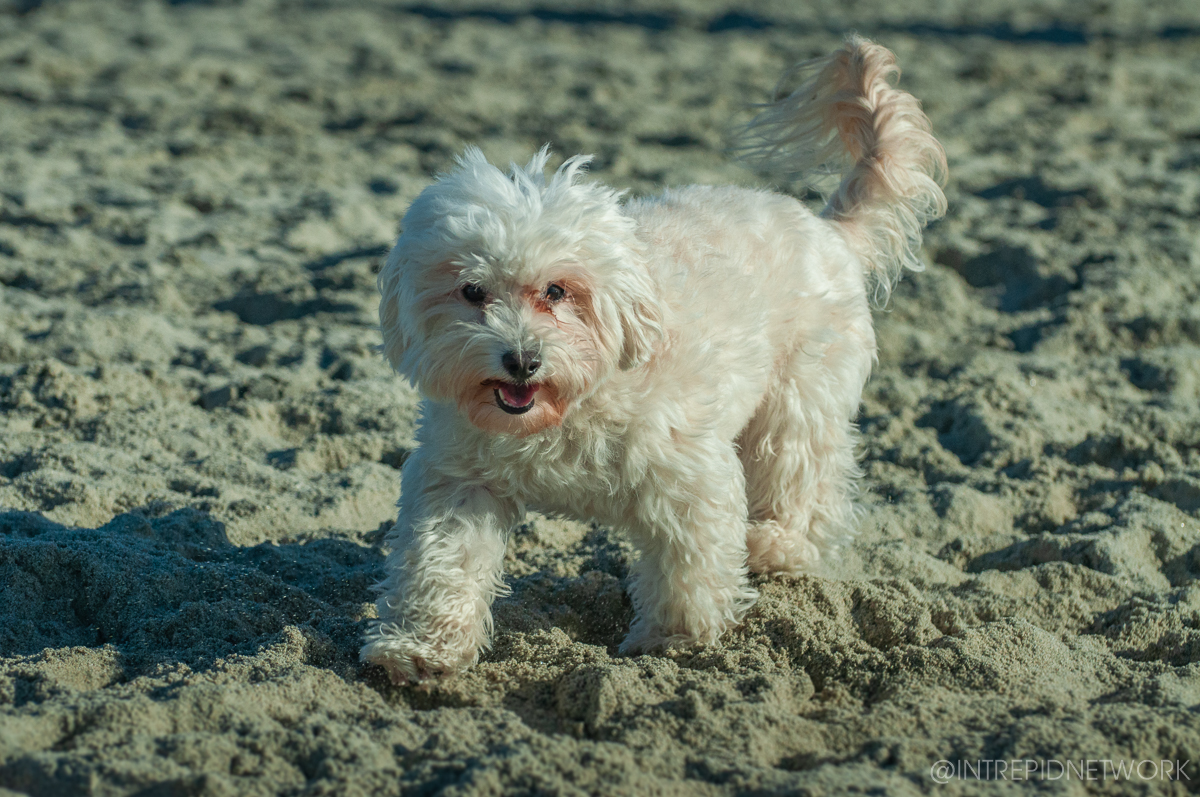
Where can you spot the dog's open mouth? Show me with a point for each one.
(514, 399)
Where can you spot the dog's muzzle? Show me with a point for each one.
(514, 399)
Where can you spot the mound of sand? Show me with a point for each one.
(199, 446)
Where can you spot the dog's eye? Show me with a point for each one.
(555, 292)
(473, 293)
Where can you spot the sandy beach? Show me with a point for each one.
(200, 444)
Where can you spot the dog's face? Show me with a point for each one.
(513, 296)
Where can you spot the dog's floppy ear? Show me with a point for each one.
(641, 322)
(396, 337)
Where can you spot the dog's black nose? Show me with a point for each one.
(519, 365)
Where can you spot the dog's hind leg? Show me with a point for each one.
(798, 453)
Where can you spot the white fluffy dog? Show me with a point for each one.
(685, 368)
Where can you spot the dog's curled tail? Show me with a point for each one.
(846, 118)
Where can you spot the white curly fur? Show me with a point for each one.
(701, 359)
(847, 119)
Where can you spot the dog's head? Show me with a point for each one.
(514, 296)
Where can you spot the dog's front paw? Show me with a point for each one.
(647, 637)
(410, 659)
(641, 642)
(685, 624)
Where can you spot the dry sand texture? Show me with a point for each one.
(199, 445)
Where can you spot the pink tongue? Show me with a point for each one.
(517, 395)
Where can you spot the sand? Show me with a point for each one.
(199, 445)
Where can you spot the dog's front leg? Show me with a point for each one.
(443, 571)
(690, 523)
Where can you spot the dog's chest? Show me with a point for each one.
(570, 477)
